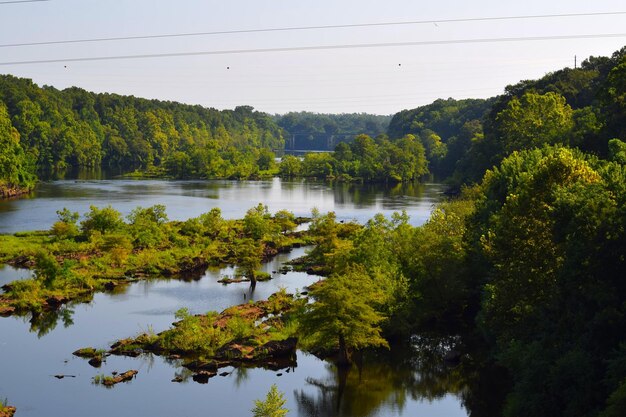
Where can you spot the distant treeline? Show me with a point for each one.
(365, 159)
(318, 131)
(582, 108)
(44, 129)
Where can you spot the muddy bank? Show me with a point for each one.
(13, 192)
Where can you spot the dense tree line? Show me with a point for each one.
(46, 129)
(366, 159)
(307, 122)
(530, 261)
(581, 107)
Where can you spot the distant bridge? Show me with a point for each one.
(315, 142)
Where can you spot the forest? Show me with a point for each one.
(526, 261)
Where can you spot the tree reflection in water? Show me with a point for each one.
(430, 368)
(43, 323)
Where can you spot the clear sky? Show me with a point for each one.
(380, 80)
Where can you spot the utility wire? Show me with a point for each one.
(317, 48)
(299, 28)
(22, 1)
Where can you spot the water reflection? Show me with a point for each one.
(384, 381)
(43, 323)
(185, 199)
(9, 274)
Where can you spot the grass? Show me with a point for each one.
(247, 325)
(71, 266)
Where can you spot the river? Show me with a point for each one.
(32, 352)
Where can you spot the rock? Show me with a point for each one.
(227, 280)
(123, 377)
(278, 364)
(87, 352)
(56, 301)
(278, 348)
(95, 356)
(124, 347)
(95, 362)
(7, 412)
(5, 309)
(133, 353)
(202, 377)
(279, 374)
(23, 261)
(237, 349)
(201, 366)
(225, 374)
(110, 286)
(178, 379)
(64, 376)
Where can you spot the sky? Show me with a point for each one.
(380, 80)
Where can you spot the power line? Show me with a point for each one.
(317, 48)
(22, 1)
(300, 28)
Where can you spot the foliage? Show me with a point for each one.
(534, 120)
(549, 229)
(315, 131)
(15, 167)
(44, 129)
(70, 265)
(344, 314)
(366, 159)
(290, 166)
(101, 220)
(273, 406)
(147, 226)
(66, 227)
(581, 107)
(530, 261)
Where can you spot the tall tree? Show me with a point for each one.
(344, 314)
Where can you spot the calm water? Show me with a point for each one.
(185, 199)
(32, 352)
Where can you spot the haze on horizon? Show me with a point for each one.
(380, 80)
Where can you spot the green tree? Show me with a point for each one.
(265, 160)
(273, 406)
(285, 220)
(66, 227)
(549, 229)
(101, 220)
(290, 166)
(47, 269)
(617, 151)
(344, 314)
(248, 253)
(318, 165)
(14, 168)
(258, 222)
(534, 120)
(147, 226)
(613, 100)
